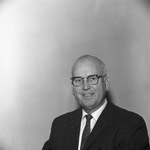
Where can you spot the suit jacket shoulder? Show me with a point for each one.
(125, 117)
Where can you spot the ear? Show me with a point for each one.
(106, 79)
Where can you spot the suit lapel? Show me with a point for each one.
(74, 129)
(103, 123)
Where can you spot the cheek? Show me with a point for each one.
(75, 91)
(77, 95)
(99, 91)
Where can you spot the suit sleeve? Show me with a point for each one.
(135, 136)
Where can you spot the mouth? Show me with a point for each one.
(87, 95)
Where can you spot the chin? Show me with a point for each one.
(88, 107)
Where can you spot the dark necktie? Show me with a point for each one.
(86, 131)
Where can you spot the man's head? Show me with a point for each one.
(90, 82)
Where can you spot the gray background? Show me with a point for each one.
(39, 41)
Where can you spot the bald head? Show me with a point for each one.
(90, 59)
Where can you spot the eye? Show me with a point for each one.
(77, 80)
(93, 78)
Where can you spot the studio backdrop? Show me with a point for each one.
(40, 40)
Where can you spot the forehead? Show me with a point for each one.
(86, 68)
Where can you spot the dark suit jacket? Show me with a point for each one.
(116, 129)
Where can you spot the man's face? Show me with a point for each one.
(90, 97)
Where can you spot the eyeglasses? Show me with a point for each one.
(91, 79)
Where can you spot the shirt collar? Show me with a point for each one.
(97, 113)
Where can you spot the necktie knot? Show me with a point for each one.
(88, 117)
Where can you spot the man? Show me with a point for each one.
(98, 124)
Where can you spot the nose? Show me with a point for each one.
(86, 85)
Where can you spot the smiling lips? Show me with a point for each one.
(87, 95)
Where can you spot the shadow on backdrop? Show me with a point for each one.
(146, 4)
(2, 147)
(109, 96)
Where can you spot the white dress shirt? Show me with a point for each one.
(95, 115)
